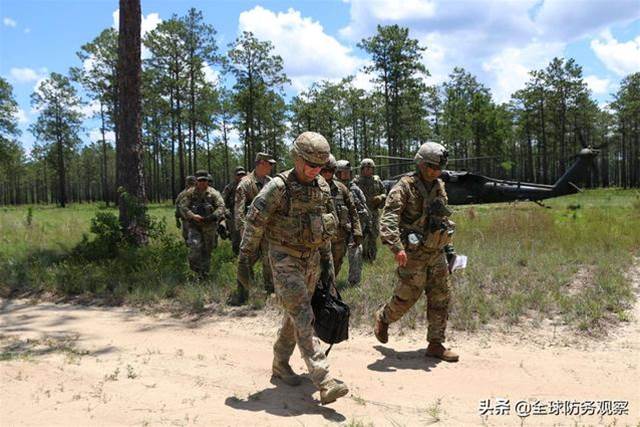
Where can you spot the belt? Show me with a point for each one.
(292, 251)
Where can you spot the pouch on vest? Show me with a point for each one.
(329, 226)
(441, 237)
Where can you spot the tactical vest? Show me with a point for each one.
(370, 186)
(202, 203)
(302, 222)
(342, 210)
(419, 224)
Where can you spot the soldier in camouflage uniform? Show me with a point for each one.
(229, 196)
(246, 191)
(295, 213)
(415, 226)
(201, 207)
(180, 221)
(343, 174)
(373, 189)
(349, 232)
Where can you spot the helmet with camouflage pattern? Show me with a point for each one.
(191, 180)
(432, 153)
(343, 165)
(367, 163)
(331, 163)
(312, 147)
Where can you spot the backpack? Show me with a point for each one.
(331, 316)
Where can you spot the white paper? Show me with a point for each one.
(459, 263)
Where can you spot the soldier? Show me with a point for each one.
(180, 221)
(343, 174)
(349, 232)
(246, 191)
(229, 196)
(373, 189)
(202, 207)
(296, 215)
(416, 228)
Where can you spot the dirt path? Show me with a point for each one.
(74, 365)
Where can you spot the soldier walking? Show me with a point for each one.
(349, 233)
(415, 226)
(373, 189)
(354, 251)
(229, 196)
(295, 213)
(247, 190)
(201, 207)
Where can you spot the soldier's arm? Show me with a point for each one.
(239, 207)
(390, 220)
(218, 205)
(356, 228)
(259, 214)
(185, 210)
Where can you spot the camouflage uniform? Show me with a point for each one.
(229, 195)
(354, 252)
(190, 183)
(298, 221)
(374, 191)
(247, 190)
(201, 237)
(426, 269)
(348, 223)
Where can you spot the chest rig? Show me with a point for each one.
(302, 221)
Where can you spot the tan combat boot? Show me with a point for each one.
(283, 371)
(381, 330)
(439, 351)
(331, 390)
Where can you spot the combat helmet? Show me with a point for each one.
(312, 147)
(367, 162)
(343, 165)
(331, 164)
(432, 153)
(191, 180)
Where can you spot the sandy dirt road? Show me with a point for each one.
(78, 365)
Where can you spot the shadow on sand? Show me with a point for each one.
(392, 360)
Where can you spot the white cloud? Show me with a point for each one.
(90, 109)
(26, 75)
(597, 85)
(621, 58)
(95, 135)
(210, 75)
(21, 116)
(8, 22)
(309, 54)
(509, 69)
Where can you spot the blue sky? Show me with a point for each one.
(499, 41)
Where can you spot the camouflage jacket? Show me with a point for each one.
(210, 201)
(179, 198)
(294, 217)
(405, 205)
(360, 202)
(348, 219)
(247, 189)
(373, 190)
(229, 197)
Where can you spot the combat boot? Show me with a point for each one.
(331, 390)
(381, 330)
(283, 371)
(439, 351)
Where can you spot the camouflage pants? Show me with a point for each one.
(201, 241)
(267, 274)
(370, 242)
(185, 231)
(235, 237)
(338, 251)
(355, 264)
(424, 272)
(295, 280)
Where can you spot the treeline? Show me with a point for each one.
(195, 98)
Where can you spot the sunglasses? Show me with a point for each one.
(313, 165)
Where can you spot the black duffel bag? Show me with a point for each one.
(331, 316)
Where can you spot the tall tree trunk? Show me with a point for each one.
(130, 159)
(105, 185)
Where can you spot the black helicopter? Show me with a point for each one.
(465, 188)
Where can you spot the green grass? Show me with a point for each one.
(523, 261)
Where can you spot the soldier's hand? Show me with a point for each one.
(401, 258)
(197, 218)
